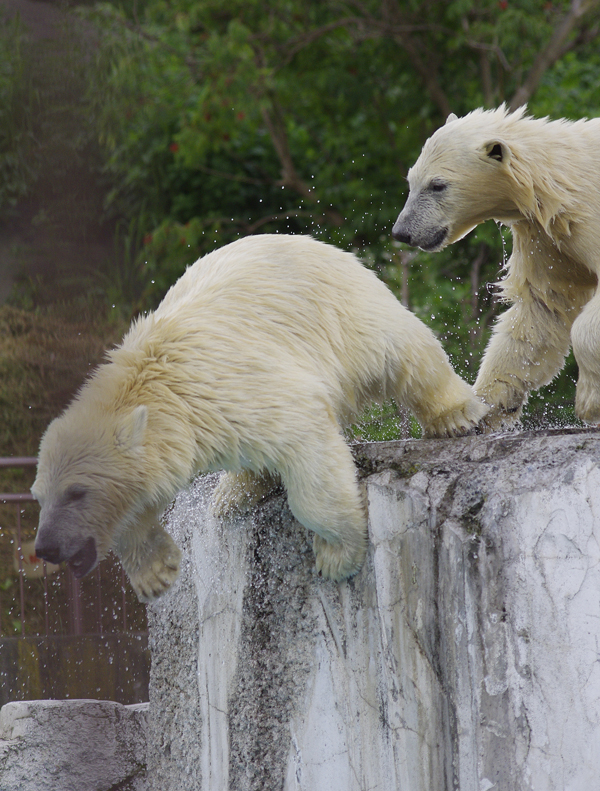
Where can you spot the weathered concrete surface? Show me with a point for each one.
(72, 745)
(464, 655)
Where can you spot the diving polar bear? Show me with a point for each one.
(252, 363)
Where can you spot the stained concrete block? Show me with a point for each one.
(72, 745)
(463, 656)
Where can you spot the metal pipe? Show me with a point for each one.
(21, 572)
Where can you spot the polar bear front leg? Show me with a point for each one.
(324, 495)
(531, 339)
(239, 492)
(527, 348)
(149, 556)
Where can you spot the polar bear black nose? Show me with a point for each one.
(400, 233)
(48, 552)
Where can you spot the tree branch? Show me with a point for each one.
(275, 124)
(493, 48)
(286, 215)
(276, 128)
(553, 50)
(292, 47)
(366, 27)
(485, 70)
(230, 176)
(394, 26)
(427, 73)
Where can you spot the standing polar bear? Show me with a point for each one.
(541, 178)
(251, 364)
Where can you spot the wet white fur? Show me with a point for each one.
(546, 187)
(252, 363)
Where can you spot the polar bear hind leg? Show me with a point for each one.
(324, 495)
(239, 492)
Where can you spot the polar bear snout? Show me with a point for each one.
(401, 232)
(50, 552)
(419, 225)
(81, 557)
(428, 239)
(84, 559)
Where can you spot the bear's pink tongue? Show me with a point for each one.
(83, 560)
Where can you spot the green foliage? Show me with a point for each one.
(304, 117)
(293, 116)
(384, 423)
(571, 89)
(203, 122)
(195, 141)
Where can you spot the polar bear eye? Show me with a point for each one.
(75, 493)
(437, 186)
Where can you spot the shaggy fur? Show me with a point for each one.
(251, 364)
(541, 178)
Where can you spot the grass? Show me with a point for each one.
(45, 356)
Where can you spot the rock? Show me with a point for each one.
(463, 656)
(72, 745)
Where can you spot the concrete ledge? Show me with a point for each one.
(463, 656)
(72, 745)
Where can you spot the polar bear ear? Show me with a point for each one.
(498, 150)
(131, 429)
(451, 117)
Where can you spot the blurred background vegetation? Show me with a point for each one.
(136, 136)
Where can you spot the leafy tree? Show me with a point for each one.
(305, 116)
(219, 121)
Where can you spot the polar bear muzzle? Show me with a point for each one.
(84, 559)
(428, 239)
(80, 562)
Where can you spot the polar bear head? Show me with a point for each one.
(464, 175)
(89, 477)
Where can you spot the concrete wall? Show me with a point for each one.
(72, 745)
(465, 655)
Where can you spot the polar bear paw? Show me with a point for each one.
(497, 419)
(338, 561)
(459, 421)
(154, 574)
(505, 405)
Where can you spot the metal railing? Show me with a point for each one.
(25, 461)
(61, 637)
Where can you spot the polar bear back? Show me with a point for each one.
(274, 277)
(291, 301)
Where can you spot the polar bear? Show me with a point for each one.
(541, 178)
(251, 364)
